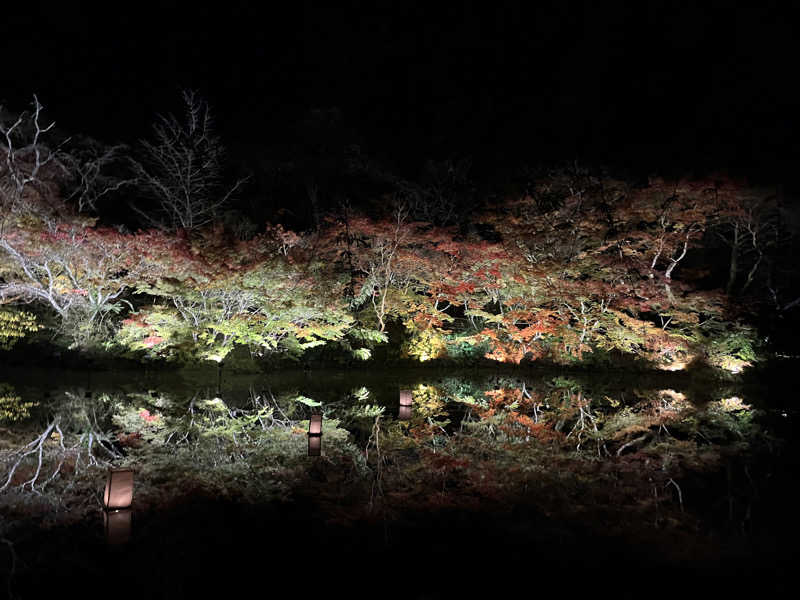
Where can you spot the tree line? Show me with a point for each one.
(567, 265)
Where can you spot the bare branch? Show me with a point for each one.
(182, 170)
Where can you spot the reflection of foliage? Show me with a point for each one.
(307, 401)
(139, 424)
(365, 411)
(428, 401)
(12, 408)
(214, 447)
(728, 419)
(194, 444)
(74, 442)
(564, 448)
(360, 394)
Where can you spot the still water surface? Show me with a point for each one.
(660, 468)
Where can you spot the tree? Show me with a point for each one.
(91, 180)
(444, 197)
(391, 259)
(182, 170)
(27, 164)
(748, 224)
(37, 172)
(73, 269)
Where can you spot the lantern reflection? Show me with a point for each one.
(119, 489)
(117, 526)
(314, 445)
(404, 414)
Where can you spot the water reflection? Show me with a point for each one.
(117, 500)
(404, 413)
(314, 445)
(611, 443)
(118, 525)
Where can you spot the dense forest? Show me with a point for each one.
(156, 253)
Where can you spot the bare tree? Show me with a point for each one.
(35, 171)
(381, 264)
(748, 225)
(91, 181)
(24, 156)
(182, 170)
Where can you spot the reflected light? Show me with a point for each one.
(117, 525)
(734, 365)
(678, 365)
(670, 393)
(314, 445)
(733, 403)
(404, 414)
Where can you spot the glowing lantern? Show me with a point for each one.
(315, 425)
(119, 489)
(405, 413)
(118, 526)
(406, 399)
(314, 445)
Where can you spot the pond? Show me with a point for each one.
(466, 479)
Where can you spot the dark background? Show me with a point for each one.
(657, 86)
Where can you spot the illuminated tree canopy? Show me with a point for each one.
(574, 268)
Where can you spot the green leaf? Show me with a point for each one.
(307, 401)
(362, 353)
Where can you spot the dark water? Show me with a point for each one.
(324, 384)
(598, 484)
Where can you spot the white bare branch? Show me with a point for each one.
(182, 170)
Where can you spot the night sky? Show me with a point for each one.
(651, 86)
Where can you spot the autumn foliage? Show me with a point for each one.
(577, 269)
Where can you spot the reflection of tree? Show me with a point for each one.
(505, 453)
(76, 438)
(12, 407)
